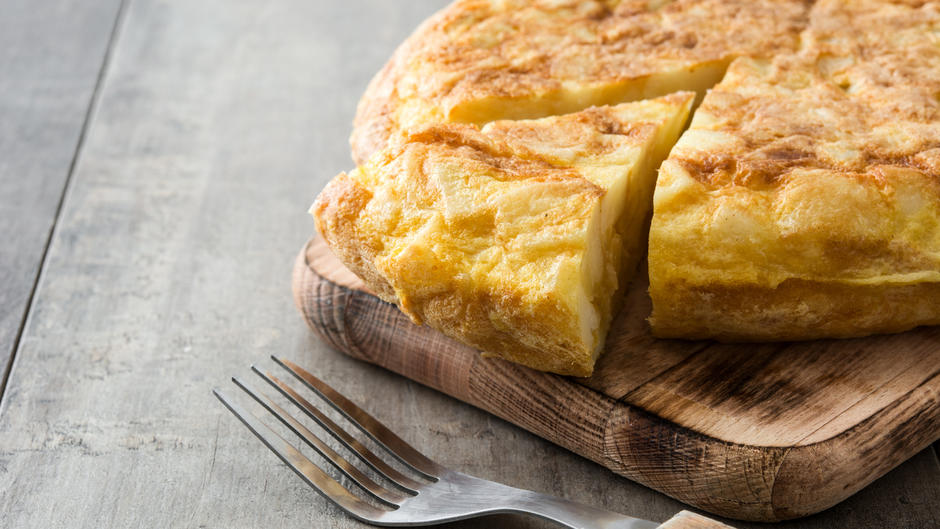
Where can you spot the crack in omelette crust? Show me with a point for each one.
(482, 61)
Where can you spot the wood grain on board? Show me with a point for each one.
(690, 520)
(748, 431)
(51, 54)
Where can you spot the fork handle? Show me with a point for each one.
(580, 516)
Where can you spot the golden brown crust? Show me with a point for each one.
(809, 185)
(432, 288)
(336, 211)
(506, 238)
(477, 61)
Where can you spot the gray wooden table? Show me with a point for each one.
(156, 161)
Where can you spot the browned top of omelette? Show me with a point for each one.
(479, 61)
(816, 167)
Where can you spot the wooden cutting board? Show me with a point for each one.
(748, 431)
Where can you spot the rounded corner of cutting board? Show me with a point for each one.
(323, 302)
(741, 481)
(753, 483)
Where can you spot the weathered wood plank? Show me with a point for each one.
(218, 122)
(51, 54)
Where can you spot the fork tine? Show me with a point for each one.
(367, 423)
(349, 441)
(344, 466)
(328, 487)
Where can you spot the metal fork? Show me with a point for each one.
(440, 495)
